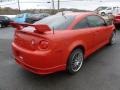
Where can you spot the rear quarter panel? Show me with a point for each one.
(66, 41)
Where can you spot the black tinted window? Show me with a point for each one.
(95, 21)
(81, 24)
(57, 21)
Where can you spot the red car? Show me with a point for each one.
(60, 42)
(117, 20)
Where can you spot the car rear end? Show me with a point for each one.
(117, 19)
(39, 47)
(34, 51)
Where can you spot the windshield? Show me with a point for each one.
(58, 22)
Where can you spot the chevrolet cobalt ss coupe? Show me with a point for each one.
(60, 42)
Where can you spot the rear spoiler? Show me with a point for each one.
(39, 27)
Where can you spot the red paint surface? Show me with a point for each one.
(117, 19)
(45, 53)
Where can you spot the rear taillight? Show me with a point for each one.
(43, 44)
(117, 17)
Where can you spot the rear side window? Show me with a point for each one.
(82, 24)
(95, 21)
(58, 22)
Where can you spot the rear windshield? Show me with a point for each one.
(58, 22)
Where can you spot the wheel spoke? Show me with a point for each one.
(77, 61)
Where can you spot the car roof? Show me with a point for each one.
(81, 13)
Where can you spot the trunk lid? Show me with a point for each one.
(28, 36)
(27, 40)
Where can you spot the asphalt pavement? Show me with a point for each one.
(101, 71)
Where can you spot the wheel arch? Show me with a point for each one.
(78, 46)
(75, 46)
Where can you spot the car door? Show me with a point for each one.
(98, 25)
(107, 29)
(87, 35)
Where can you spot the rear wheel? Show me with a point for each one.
(75, 61)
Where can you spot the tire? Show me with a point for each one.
(75, 61)
(103, 14)
(112, 38)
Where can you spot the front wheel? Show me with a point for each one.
(112, 39)
(75, 61)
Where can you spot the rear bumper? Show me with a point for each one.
(41, 71)
(37, 62)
